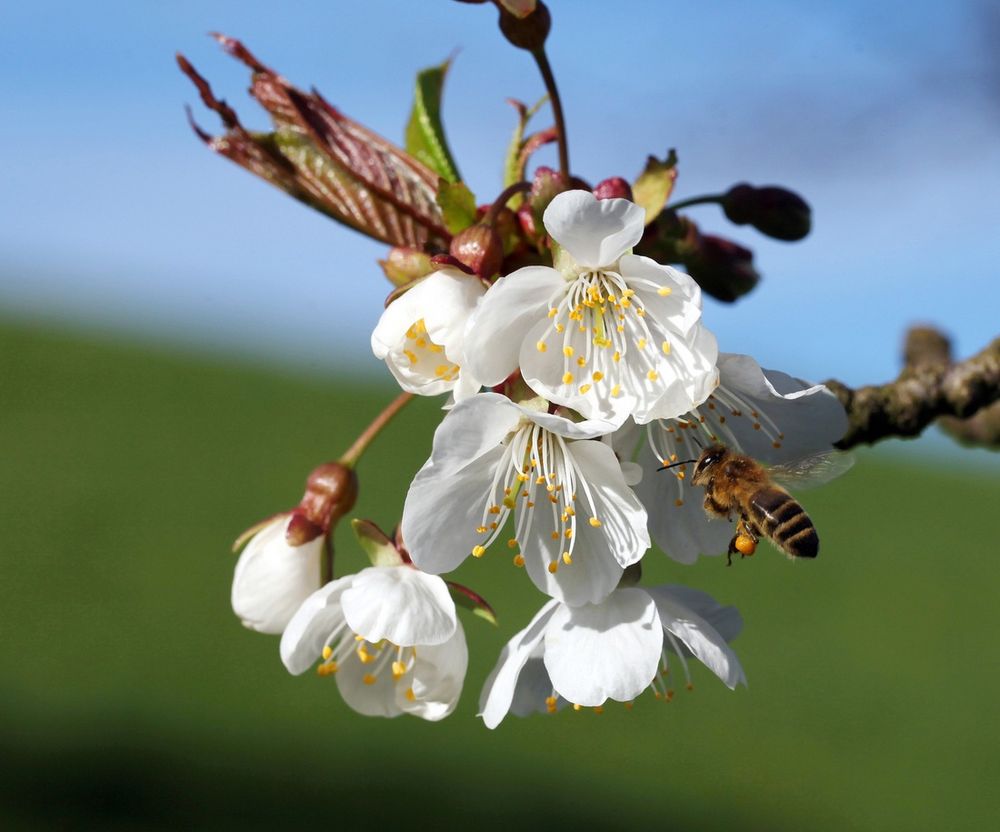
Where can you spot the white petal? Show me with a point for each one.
(448, 299)
(534, 687)
(698, 635)
(272, 578)
(507, 311)
(400, 604)
(554, 423)
(314, 622)
(604, 651)
(442, 512)
(596, 232)
(679, 308)
(498, 692)
(376, 699)
(683, 531)
(623, 519)
(810, 416)
(688, 375)
(437, 678)
(726, 620)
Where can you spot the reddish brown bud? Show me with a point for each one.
(722, 268)
(301, 529)
(331, 491)
(480, 248)
(441, 261)
(546, 185)
(404, 265)
(613, 188)
(528, 31)
(776, 212)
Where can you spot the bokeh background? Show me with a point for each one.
(180, 344)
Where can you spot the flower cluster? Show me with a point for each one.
(590, 413)
(601, 373)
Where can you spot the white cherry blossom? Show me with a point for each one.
(273, 577)
(616, 649)
(605, 332)
(575, 521)
(772, 417)
(421, 333)
(390, 636)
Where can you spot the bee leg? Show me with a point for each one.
(732, 550)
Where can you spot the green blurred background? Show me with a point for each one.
(130, 696)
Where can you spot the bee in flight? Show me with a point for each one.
(736, 484)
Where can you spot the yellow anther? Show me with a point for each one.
(440, 370)
(570, 511)
(598, 709)
(690, 686)
(368, 679)
(523, 477)
(554, 567)
(421, 342)
(620, 328)
(680, 475)
(568, 533)
(641, 343)
(540, 479)
(560, 328)
(436, 348)
(512, 543)
(670, 696)
(494, 509)
(398, 669)
(327, 651)
(568, 352)
(595, 522)
(364, 655)
(518, 560)
(640, 312)
(359, 638)
(410, 695)
(776, 444)
(566, 558)
(411, 355)
(598, 376)
(581, 362)
(478, 551)
(540, 346)
(555, 535)
(665, 346)
(480, 529)
(577, 707)
(673, 457)
(626, 303)
(509, 501)
(616, 357)
(678, 503)
(584, 388)
(756, 425)
(627, 293)
(652, 375)
(567, 378)
(663, 291)
(550, 704)
(553, 312)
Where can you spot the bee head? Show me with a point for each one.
(712, 455)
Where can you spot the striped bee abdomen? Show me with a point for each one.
(780, 517)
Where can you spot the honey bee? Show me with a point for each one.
(736, 484)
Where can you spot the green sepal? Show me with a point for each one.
(467, 599)
(458, 205)
(515, 162)
(656, 182)
(425, 139)
(380, 549)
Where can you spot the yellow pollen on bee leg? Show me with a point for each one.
(595, 522)
(567, 378)
(369, 679)
(478, 551)
(519, 560)
(540, 346)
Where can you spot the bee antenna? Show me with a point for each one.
(675, 464)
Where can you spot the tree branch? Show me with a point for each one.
(929, 387)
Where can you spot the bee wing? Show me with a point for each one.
(810, 471)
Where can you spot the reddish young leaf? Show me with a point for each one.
(327, 160)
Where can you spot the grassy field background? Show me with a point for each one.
(130, 696)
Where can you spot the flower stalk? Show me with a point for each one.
(542, 60)
(360, 445)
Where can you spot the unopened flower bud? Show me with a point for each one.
(613, 188)
(404, 265)
(722, 268)
(776, 212)
(331, 491)
(525, 31)
(480, 248)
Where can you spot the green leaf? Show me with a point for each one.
(514, 162)
(380, 549)
(458, 205)
(425, 139)
(652, 189)
(467, 599)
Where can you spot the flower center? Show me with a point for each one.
(376, 658)
(598, 322)
(686, 437)
(426, 357)
(536, 473)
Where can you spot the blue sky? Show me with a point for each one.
(884, 116)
